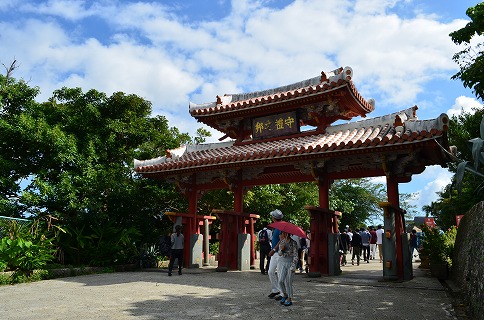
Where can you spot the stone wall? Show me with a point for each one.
(468, 261)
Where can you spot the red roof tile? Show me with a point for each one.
(360, 135)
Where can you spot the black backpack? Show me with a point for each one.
(263, 237)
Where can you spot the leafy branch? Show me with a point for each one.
(477, 147)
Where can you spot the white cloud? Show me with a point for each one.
(159, 53)
(66, 9)
(464, 104)
(166, 58)
(427, 184)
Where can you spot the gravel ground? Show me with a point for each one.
(359, 293)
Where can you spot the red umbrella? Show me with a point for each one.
(289, 228)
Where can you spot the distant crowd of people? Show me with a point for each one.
(361, 243)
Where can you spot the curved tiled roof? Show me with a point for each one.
(395, 129)
(327, 82)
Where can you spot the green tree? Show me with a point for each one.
(471, 59)
(75, 152)
(453, 201)
(358, 200)
(289, 198)
(104, 206)
(464, 128)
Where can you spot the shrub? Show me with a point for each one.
(438, 245)
(25, 249)
(214, 248)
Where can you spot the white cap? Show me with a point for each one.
(277, 214)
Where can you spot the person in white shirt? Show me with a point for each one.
(177, 240)
(379, 241)
(275, 289)
(350, 234)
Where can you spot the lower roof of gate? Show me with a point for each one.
(398, 144)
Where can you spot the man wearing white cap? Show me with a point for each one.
(275, 291)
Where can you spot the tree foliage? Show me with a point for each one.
(471, 58)
(74, 153)
(357, 199)
(452, 202)
(289, 198)
(20, 140)
(464, 128)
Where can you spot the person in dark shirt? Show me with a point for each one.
(265, 238)
(356, 244)
(344, 245)
(414, 242)
(365, 238)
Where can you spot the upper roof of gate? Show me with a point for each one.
(318, 102)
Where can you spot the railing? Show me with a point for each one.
(4, 223)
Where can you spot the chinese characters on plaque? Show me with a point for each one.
(275, 125)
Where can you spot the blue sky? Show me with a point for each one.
(173, 52)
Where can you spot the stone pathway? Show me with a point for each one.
(359, 293)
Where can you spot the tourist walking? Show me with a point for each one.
(379, 241)
(275, 290)
(287, 267)
(365, 238)
(344, 244)
(413, 243)
(356, 244)
(265, 237)
(373, 240)
(177, 241)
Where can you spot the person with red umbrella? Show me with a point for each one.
(288, 258)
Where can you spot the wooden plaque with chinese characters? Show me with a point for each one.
(282, 124)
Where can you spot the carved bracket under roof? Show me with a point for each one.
(231, 179)
(252, 173)
(322, 114)
(389, 165)
(402, 163)
(313, 168)
(185, 185)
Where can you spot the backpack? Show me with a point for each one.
(165, 246)
(303, 243)
(263, 237)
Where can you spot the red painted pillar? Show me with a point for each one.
(239, 221)
(314, 249)
(393, 198)
(224, 239)
(323, 185)
(191, 227)
(252, 241)
(325, 225)
(321, 227)
(239, 199)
